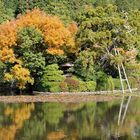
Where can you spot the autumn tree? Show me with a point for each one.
(19, 75)
(27, 40)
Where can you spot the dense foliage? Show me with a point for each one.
(38, 37)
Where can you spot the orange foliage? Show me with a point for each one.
(35, 18)
(73, 27)
(18, 117)
(7, 55)
(7, 34)
(55, 34)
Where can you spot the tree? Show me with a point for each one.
(66, 10)
(84, 66)
(19, 75)
(34, 62)
(5, 13)
(27, 41)
(127, 5)
(52, 78)
(103, 29)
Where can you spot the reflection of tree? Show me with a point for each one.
(17, 116)
(53, 112)
(79, 122)
(55, 135)
(44, 120)
(108, 121)
(56, 121)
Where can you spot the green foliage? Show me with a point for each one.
(5, 13)
(28, 38)
(2, 69)
(90, 85)
(82, 86)
(117, 84)
(87, 86)
(65, 9)
(52, 78)
(104, 2)
(34, 62)
(104, 82)
(124, 5)
(84, 66)
(103, 28)
(133, 71)
(100, 26)
(53, 112)
(127, 5)
(11, 4)
(110, 84)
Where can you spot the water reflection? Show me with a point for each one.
(123, 109)
(72, 121)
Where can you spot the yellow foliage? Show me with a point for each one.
(8, 77)
(21, 75)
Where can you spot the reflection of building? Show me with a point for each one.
(65, 67)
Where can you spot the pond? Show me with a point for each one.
(71, 121)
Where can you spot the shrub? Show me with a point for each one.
(109, 84)
(52, 78)
(104, 82)
(76, 85)
(117, 84)
(63, 86)
(90, 85)
(82, 86)
(72, 84)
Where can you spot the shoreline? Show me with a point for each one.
(63, 98)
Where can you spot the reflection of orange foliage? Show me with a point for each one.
(18, 117)
(56, 135)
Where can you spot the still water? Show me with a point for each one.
(70, 121)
